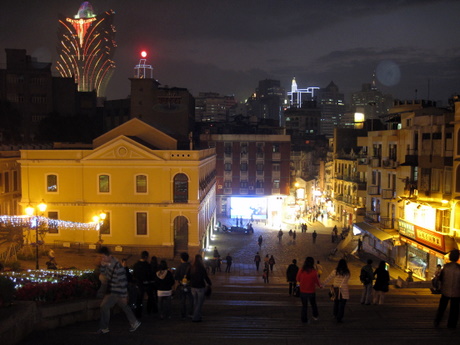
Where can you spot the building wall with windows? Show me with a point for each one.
(10, 182)
(155, 197)
(250, 166)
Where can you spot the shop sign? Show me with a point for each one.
(430, 238)
(406, 229)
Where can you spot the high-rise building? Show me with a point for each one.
(332, 105)
(371, 101)
(85, 48)
(268, 101)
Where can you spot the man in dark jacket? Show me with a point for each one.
(143, 278)
(183, 287)
(291, 274)
(366, 276)
(450, 290)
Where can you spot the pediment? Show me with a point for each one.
(123, 148)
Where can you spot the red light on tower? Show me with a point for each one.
(144, 54)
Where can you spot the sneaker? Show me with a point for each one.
(135, 326)
(103, 331)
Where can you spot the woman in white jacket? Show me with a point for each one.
(340, 277)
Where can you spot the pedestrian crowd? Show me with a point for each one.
(152, 282)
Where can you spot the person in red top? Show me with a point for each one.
(308, 280)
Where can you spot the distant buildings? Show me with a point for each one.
(268, 101)
(86, 47)
(253, 174)
(371, 102)
(332, 105)
(212, 107)
(30, 95)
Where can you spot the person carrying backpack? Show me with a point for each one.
(366, 277)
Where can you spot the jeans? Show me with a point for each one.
(164, 306)
(453, 312)
(186, 302)
(366, 296)
(305, 298)
(339, 309)
(198, 300)
(108, 302)
(291, 287)
(145, 289)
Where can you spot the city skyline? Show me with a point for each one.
(227, 47)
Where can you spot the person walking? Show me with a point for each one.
(257, 260)
(340, 277)
(266, 274)
(165, 281)
(291, 275)
(382, 282)
(450, 291)
(228, 260)
(319, 268)
(294, 235)
(143, 278)
(366, 276)
(314, 235)
(280, 235)
(266, 259)
(260, 240)
(308, 281)
(271, 262)
(115, 275)
(183, 286)
(198, 281)
(435, 282)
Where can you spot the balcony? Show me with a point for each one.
(375, 162)
(243, 191)
(388, 193)
(386, 223)
(389, 164)
(373, 190)
(372, 216)
(227, 191)
(260, 191)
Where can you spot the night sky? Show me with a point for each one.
(228, 46)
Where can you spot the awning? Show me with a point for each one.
(377, 233)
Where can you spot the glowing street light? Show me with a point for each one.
(30, 210)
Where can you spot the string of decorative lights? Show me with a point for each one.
(17, 221)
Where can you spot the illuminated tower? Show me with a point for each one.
(86, 47)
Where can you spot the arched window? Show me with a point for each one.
(181, 188)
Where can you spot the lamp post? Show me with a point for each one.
(100, 219)
(30, 212)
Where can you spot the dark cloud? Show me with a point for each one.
(228, 46)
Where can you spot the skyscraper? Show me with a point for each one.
(86, 47)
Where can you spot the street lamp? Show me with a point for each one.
(30, 210)
(99, 219)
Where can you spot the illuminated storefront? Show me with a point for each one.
(425, 248)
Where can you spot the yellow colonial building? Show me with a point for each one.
(153, 196)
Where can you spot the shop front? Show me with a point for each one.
(424, 249)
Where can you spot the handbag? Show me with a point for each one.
(296, 291)
(332, 295)
(208, 291)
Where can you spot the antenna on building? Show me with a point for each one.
(141, 70)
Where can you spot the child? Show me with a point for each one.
(265, 275)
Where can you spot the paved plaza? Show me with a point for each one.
(244, 310)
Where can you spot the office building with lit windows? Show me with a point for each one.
(86, 47)
(253, 174)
